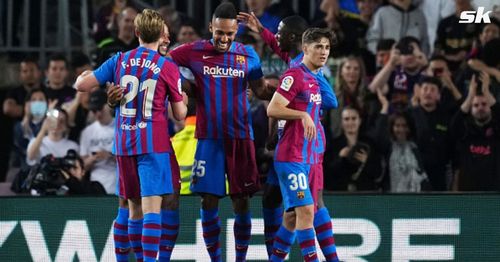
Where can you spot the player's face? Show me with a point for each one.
(29, 74)
(480, 109)
(317, 52)
(164, 41)
(283, 38)
(57, 72)
(223, 33)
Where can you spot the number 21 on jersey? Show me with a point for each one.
(147, 86)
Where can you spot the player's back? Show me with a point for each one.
(222, 107)
(148, 80)
(301, 88)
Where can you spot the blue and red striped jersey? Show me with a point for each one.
(148, 79)
(222, 107)
(301, 88)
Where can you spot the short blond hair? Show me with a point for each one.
(149, 24)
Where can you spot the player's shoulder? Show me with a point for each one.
(294, 72)
(242, 49)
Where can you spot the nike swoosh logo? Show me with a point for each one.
(207, 56)
(248, 184)
(311, 85)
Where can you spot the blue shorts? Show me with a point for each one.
(218, 159)
(294, 183)
(272, 177)
(144, 175)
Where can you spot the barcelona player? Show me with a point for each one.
(298, 100)
(223, 69)
(141, 141)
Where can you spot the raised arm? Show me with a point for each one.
(253, 23)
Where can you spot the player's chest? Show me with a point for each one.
(220, 66)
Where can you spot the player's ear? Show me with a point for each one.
(137, 33)
(210, 28)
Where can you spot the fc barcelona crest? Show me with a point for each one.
(240, 59)
(301, 195)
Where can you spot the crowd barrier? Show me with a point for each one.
(414, 227)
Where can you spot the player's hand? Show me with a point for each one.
(309, 127)
(251, 21)
(114, 92)
(185, 98)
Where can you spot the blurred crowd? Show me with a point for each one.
(417, 93)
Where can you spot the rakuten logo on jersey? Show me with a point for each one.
(139, 125)
(223, 72)
(315, 98)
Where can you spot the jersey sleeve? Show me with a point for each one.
(254, 66)
(271, 41)
(106, 71)
(172, 77)
(181, 54)
(328, 97)
(289, 85)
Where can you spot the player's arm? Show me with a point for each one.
(261, 89)
(328, 97)
(179, 109)
(253, 23)
(277, 109)
(86, 81)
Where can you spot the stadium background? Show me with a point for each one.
(369, 227)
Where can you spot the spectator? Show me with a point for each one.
(395, 21)
(435, 11)
(57, 73)
(78, 109)
(77, 179)
(383, 53)
(488, 32)
(173, 18)
(188, 32)
(489, 62)
(96, 142)
(51, 139)
(454, 39)
(29, 76)
(350, 31)
(404, 162)
(353, 160)
(398, 77)
(431, 121)
(438, 67)
(106, 19)
(124, 40)
(476, 135)
(349, 89)
(367, 9)
(34, 113)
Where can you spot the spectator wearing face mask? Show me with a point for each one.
(34, 114)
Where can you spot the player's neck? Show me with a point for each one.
(295, 51)
(152, 46)
(311, 66)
